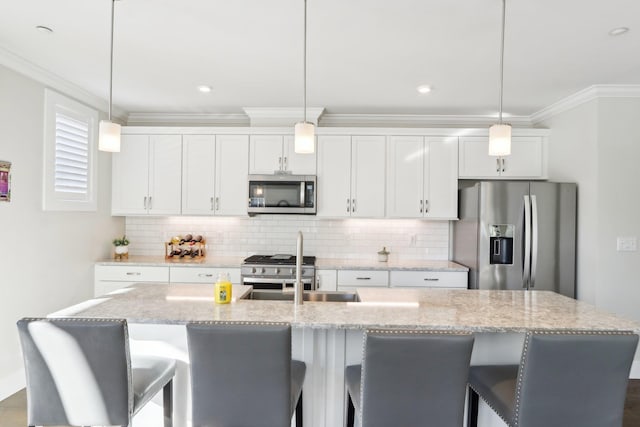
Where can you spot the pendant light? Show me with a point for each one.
(109, 132)
(304, 140)
(500, 133)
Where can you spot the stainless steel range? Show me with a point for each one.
(278, 272)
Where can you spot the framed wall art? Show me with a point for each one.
(5, 181)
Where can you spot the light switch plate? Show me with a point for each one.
(627, 244)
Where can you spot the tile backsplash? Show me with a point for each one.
(406, 239)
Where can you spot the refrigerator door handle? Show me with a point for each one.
(534, 239)
(526, 268)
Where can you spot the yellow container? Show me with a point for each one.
(222, 292)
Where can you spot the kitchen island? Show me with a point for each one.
(328, 336)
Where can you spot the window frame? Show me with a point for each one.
(52, 200)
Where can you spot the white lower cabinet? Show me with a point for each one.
(326, 280)
(428, 279)
(202, 274)
(109, 278)
(350, 280)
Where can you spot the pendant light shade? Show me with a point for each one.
(500, 140)
(109, 132)
(304, 139)
(500, 133)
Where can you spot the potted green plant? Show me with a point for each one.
(122, 245)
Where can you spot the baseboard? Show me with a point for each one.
(11, 383)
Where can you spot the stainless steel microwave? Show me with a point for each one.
(282, 194)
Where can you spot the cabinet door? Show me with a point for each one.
(441, 178)
(326, 280)
(405, 163)
(334, 176)
(298, 164)
(368, 176)
(526, 159)
(130, 176)
(198, 174)
(475, 161)
(232, 168)
(165, 174)
(266, 154)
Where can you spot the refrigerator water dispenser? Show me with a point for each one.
(501, 241)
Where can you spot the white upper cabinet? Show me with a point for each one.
(275, 153)
(147, 175)
(232, 168)
(527, 159)
(214, 174)
(198, 174)
(422, 177)
(351, 176)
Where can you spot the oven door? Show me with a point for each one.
(277, 284)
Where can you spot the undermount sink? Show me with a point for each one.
(311, 296)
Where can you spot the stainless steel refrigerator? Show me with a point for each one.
(517, 235)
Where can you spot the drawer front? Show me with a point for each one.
(131, 273)
(378, 278)
(429, 279)
(202, 274)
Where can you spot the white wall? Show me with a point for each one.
(269, 234)
(597, 145)
(46, 261)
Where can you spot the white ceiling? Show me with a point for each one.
(365, 56)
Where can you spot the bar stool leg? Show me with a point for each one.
(167, 404)
(472, 410)
(351, 412)
(299, 412)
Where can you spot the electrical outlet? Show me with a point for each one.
(627, 244)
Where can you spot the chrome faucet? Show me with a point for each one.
(298, 295)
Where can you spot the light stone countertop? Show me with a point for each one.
(470, 310)
(321, 263)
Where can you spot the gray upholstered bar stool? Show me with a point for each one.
(79, 373)
(242, 375)
(565, 379)
(410, 378)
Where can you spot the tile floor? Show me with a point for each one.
(13, 409)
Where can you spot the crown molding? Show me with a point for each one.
(585, 95)
(415, 120)
(281, 116)
(186, 119)
(53, 81)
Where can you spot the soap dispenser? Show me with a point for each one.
(222, 292)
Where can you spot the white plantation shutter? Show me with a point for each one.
(70, 154)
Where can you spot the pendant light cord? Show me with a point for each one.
(113, 6)
(504, 6)
(304, 65)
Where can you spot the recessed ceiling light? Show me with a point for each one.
(423, 89)
(618, 31)
(204, 88)
(44, 30)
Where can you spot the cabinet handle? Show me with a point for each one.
(286, 167)
(503, 167)
(205, 275)
(353, 203)
(363, 278)
(426, 206)
(279, 163)
(421, 206)
(217, 203)
(348, 206)
(498, 165)
(145, 202)
(431, 279)
(133, 273)
(212, 208)
(150, 204)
